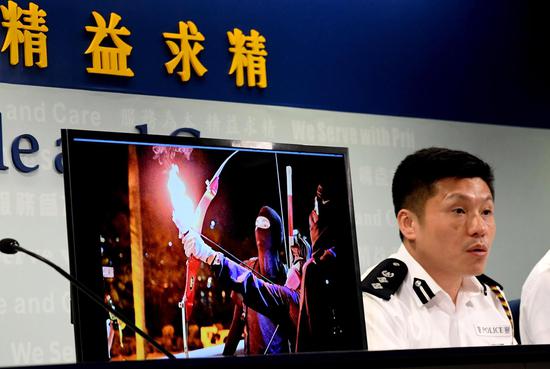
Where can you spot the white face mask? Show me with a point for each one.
(262, 222)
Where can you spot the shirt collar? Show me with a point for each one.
(472, 285)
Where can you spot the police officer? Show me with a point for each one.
(535, 304)
(431, 292)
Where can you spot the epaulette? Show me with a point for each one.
(487, 281)
(385, 279)
(497, 290)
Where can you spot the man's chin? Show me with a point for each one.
(478, 270)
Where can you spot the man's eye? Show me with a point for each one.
(459, 211)
(487, 212)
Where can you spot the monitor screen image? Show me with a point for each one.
(280, 216)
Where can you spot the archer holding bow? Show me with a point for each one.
(261, 333)
(308, 305)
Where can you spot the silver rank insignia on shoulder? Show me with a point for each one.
(387, 274)
(385, 279)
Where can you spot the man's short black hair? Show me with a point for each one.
(414, 179)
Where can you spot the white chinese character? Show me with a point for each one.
(188, 120)
(213, 124)
(381, 177)
(268, 128)
(231, 128)
(128, 118)
(25, 203)
(48, 204)
(250, 127)
(148, 116)
(5, 203)
(169, 121)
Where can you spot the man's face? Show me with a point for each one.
(454, 235)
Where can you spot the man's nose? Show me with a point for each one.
(477, 226)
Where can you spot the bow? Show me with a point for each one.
(193, 263)
(184, 222)
(181, 218)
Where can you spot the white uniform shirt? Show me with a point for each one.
(534, 317)
(428, 318)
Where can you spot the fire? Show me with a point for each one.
(182, 205)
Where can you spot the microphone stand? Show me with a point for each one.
(97, 300)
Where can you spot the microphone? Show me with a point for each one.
(11, 246)
(8, 246)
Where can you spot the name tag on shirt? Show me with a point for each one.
(487, 330)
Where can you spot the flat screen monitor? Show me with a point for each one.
(130, 200)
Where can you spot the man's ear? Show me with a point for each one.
(408, 223)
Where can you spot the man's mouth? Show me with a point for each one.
(478, 250)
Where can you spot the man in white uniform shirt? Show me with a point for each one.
(534, 317)
(431, 292)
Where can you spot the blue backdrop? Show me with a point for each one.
(468, 60)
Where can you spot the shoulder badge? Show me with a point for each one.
(487, 281)
(384, 280)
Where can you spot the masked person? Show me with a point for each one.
(318, 320)
(431, 292)
(311, 313)
(262, 335)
